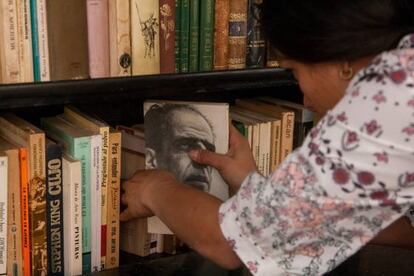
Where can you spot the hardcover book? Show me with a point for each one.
(221, 34)
(145, 30)
(206, 52)
(174, 128)
(237, 34)
(256, 43)
(167, 36)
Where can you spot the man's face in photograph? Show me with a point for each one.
(188, 131)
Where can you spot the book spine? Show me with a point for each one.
(68, 45)
(178, 4)
(193, 58)
(207, 35)
(104, 189)
(145, 37)
(237, 34)
(43, 40)
(185, 36)
(24, 199)
(98, 38)
(288, 120)
(119, 38)
(72, 213)
(54, 210)
(25, 40)
(256, 44)
(221, 34)
(112, 250)
(9, 55)
(82, 151)
(14, 258)
(37, 203)
(271, 56)
(3, 214)
(96, 181)
(167, 36)
(35, 40)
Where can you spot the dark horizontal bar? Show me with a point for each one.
(141, 87)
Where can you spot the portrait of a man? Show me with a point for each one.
(172, 129)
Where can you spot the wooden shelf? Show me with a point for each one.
(142, 87)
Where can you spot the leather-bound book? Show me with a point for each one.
(167, 36)
(221, 34)
(237, 34)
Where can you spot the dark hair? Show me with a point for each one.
(158, 117)
(334, 30)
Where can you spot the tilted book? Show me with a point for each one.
(97, 126)
(14, 238)
(54, 209)
(27, 135)
(77, 143)
(72, 214)
(190, 126)
(145, 31)
(3, 212)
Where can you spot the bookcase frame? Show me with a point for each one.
(110, 96)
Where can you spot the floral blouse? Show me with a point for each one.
(353, 176)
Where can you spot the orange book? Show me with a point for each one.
(24, 201)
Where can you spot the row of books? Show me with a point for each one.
(273, 128)
(58, 40)
(60, 195)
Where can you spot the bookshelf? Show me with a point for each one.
(119, 100)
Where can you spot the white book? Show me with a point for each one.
(3, 213)
(25, 40)
(96, 181)
(72, 215)
(43, 40)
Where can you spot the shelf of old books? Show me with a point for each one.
(141, 87)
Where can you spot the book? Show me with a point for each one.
(77, 143)
(24, 199)
(97, 126)
(256, 43)
(27, 135)
(304, 118)
(54, 209)
(271, 56)
(237, 34)
(25, 40)
(177, 42)
(194, 38)
(3, 212)
(119, 38)
(9, 51)
(68, 39)
(286, 116)
(98, 38)
(145, 38)
(206, 126)
(40, 38)
(72, 214)
(14, 226)
(184, 36)
(221, 34)
(206, 52)
(167, 36)
(114, 198)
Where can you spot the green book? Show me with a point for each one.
(194, 35)
(76, 143)
(185, 36)
(177, 35)
(207, 12)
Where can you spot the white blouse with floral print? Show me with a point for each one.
(353, 176)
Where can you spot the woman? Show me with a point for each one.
(352, 178)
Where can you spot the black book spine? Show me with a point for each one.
(54, 209)
(256, 44)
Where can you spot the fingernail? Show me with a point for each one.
(194, 154)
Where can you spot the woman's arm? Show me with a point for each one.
(191, 214)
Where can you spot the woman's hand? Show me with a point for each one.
(137, 191)
(235, 165)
